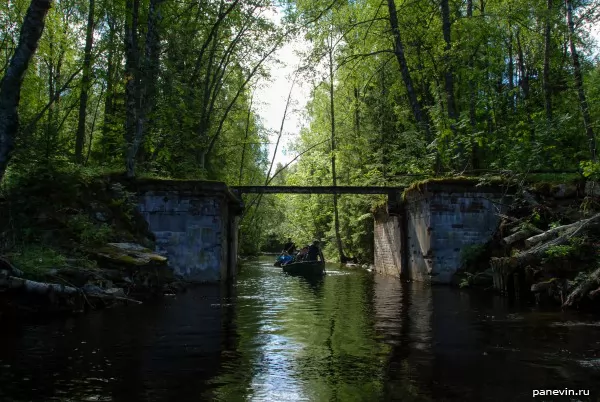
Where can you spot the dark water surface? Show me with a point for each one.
(351, 336)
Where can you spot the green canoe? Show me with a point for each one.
(312, 268)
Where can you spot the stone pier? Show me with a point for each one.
(195, 224)
(424, 239)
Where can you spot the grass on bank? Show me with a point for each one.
(56, 215)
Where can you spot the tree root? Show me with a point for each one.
(583, 289)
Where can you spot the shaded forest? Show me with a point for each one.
(158, 88)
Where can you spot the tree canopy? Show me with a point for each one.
(157, 87)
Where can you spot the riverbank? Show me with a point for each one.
(545, 249)
(71, 241)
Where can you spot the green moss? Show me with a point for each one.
(454, 180)
(69, 210)
(37, 260)
(542, 182)
(552, 178)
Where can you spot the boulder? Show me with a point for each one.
(129, 254)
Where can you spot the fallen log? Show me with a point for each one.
(520, 235)
(506, 265)
(6, 265)
(552, 233)
(583, 289)
(12, 282)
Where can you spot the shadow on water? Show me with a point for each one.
(348, 336)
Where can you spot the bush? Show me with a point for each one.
(88, 233)
(471, 254)
(37, 260)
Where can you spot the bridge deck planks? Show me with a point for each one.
(315, 189)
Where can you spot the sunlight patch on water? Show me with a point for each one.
(590, 363)
(575, 324)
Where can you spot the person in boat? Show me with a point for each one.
(314, 251)
(302, 253)
(289, 247)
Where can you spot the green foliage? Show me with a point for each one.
(535, 217)
(202, 122)
(573, 249)
(471, 253)
(467, 280)
(590, 169)
(88, 233)
(554, 224)
(37, 260)
(560, 251)
(58, 210)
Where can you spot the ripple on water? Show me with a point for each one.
(591, 363)
(575, 324)
(350, 336)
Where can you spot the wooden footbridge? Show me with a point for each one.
(239, 190)
(393, 193)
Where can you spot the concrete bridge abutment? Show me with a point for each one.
(195, 225)
(419, 235)
(424, 238)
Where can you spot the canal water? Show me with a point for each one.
(351, 336)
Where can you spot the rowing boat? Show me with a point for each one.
(311, 268)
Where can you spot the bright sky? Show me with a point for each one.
(270, 96)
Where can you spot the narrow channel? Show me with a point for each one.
(350, 336)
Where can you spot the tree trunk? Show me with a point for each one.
(132, 65)
(547, 51)
(399, 51)
(475, 152)
(245, 140)
(85, 84)
(587, 121)
(10, 87)
(336, 217)
(150, 73)
(511, 71)
(448, 76)
(141, 85)
(109, 108)
(524, 83)
(524, 76)
(383, 125)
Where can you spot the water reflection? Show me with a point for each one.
(349, 336)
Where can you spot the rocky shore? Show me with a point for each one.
(71, 242)
(546, 247)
